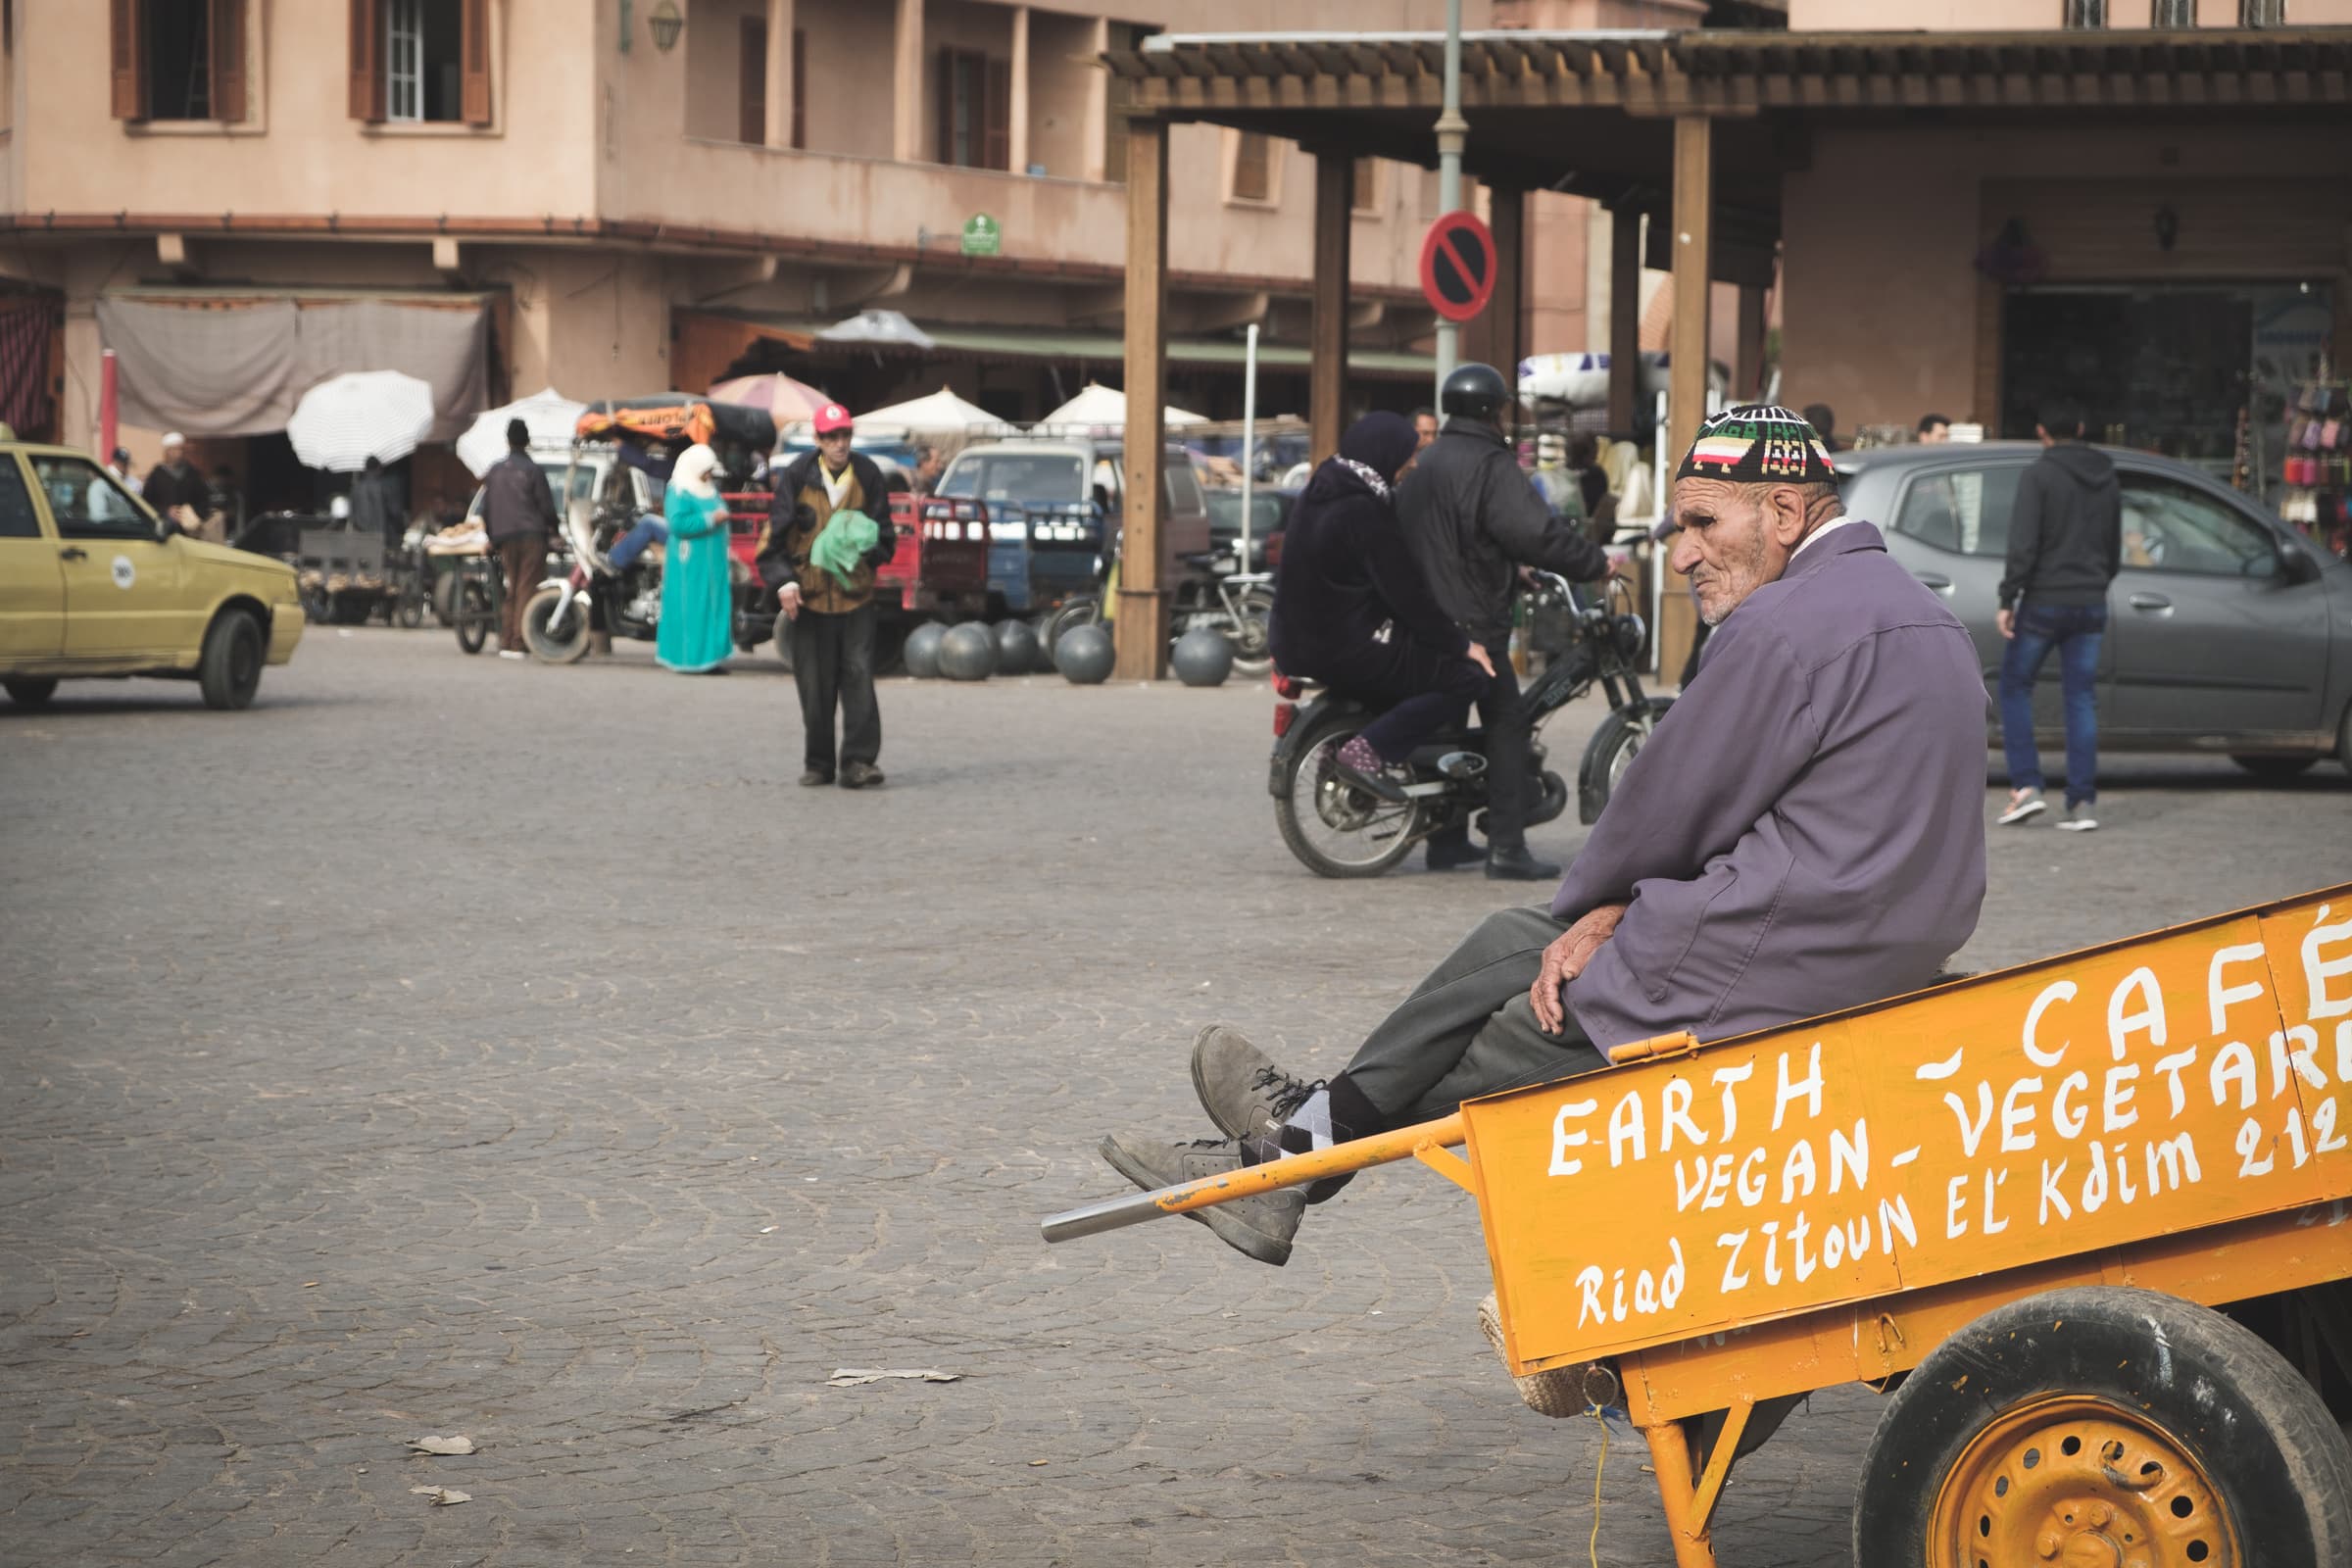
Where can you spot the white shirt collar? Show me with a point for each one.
(1822, 532)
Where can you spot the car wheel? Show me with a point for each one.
(2273, 766)
(31, 691)
(230, 669)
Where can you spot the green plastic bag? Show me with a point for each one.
(845, 539)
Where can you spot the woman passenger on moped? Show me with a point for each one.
(1351, 609)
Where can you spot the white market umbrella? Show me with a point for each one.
(549, 415)
(346, 419)
(1101, 405)
(943, 412)
(879, 329)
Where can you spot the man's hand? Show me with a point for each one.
(1566, 958)
(789, 596)
(1481, 659)
(2007, 621)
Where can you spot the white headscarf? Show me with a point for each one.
(693, 470)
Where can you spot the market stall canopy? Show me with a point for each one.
(1102, 405)
(235, 362)
(550, 416)
(346, 419)
(941, 412)
(881, 329)
(783, 399)
(677, 419)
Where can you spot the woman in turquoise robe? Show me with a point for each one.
(693, 636)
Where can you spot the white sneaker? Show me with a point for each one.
(2078, 819)
(2022, 805)
(512, 652)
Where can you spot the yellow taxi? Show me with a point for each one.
(93, 583)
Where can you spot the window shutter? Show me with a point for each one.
(129, 60)
(800, 90)
(750, 84)
(474, 61)
(367, 61)
(228, 59)
(996, 151)
(947, 106)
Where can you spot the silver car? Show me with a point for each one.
(2226, 631)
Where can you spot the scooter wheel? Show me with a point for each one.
(549, 642)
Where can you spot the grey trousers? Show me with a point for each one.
(1469, 1028)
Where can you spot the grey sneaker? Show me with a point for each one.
(1261, 1227)
(2079, 818)
(1238, 1086)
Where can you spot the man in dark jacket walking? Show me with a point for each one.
(1473, 519)
(832, 618)
(519, 512)
(2066, 544)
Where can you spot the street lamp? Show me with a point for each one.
(664, 25)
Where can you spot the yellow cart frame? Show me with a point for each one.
(1753, 1219)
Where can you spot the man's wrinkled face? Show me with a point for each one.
(835, 445)
(1731, 539)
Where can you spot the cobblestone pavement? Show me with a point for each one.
(452, 1046)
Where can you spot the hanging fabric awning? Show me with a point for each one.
(235, 364)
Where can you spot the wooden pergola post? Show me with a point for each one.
(1506, 313)
(1694, 253)
(1327, 327)
(1141, 633)
(1748, 379)
(1625, 318)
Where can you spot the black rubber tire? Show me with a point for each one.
(444, 597)
(2272, 767)
(1294, 837)
(1252, 655)
(543, 644)
(472, 615)
(230, 669)
(408, 613)
(1621, 735)
(29, 690)
(783, 639)
(2263, 1436)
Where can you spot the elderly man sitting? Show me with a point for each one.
(1804, 832)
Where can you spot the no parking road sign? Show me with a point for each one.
(1458, 266)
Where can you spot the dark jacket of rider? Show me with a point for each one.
(1346, 571)
(1472, 517)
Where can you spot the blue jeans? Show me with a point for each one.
(2075, 631)
(649, 531)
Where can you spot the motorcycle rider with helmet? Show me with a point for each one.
(1473, 520)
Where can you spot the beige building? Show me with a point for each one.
(616, 196)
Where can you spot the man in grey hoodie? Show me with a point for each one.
(2066, 544)
(1804, 832)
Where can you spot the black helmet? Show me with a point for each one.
(1475, 392)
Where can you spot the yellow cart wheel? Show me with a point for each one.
(2073, 1480)
(2101, 1427)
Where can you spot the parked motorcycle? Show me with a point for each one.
(1338, 829)
(558, 619)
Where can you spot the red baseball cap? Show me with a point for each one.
(831, 417)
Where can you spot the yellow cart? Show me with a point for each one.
(2013, 1201)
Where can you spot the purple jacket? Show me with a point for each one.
(1805, 829)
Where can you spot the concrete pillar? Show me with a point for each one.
(1693, 252)
(1142, 612)
(1095, 132)
(1327, 325)
(1017, 109)
(907, 86)
(780, 17)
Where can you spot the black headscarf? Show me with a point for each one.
(1378, 442)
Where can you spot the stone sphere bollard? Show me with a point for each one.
(1202, 656)
(1017, 647)
(967, 652)
(1084, 654)
(921, 652)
